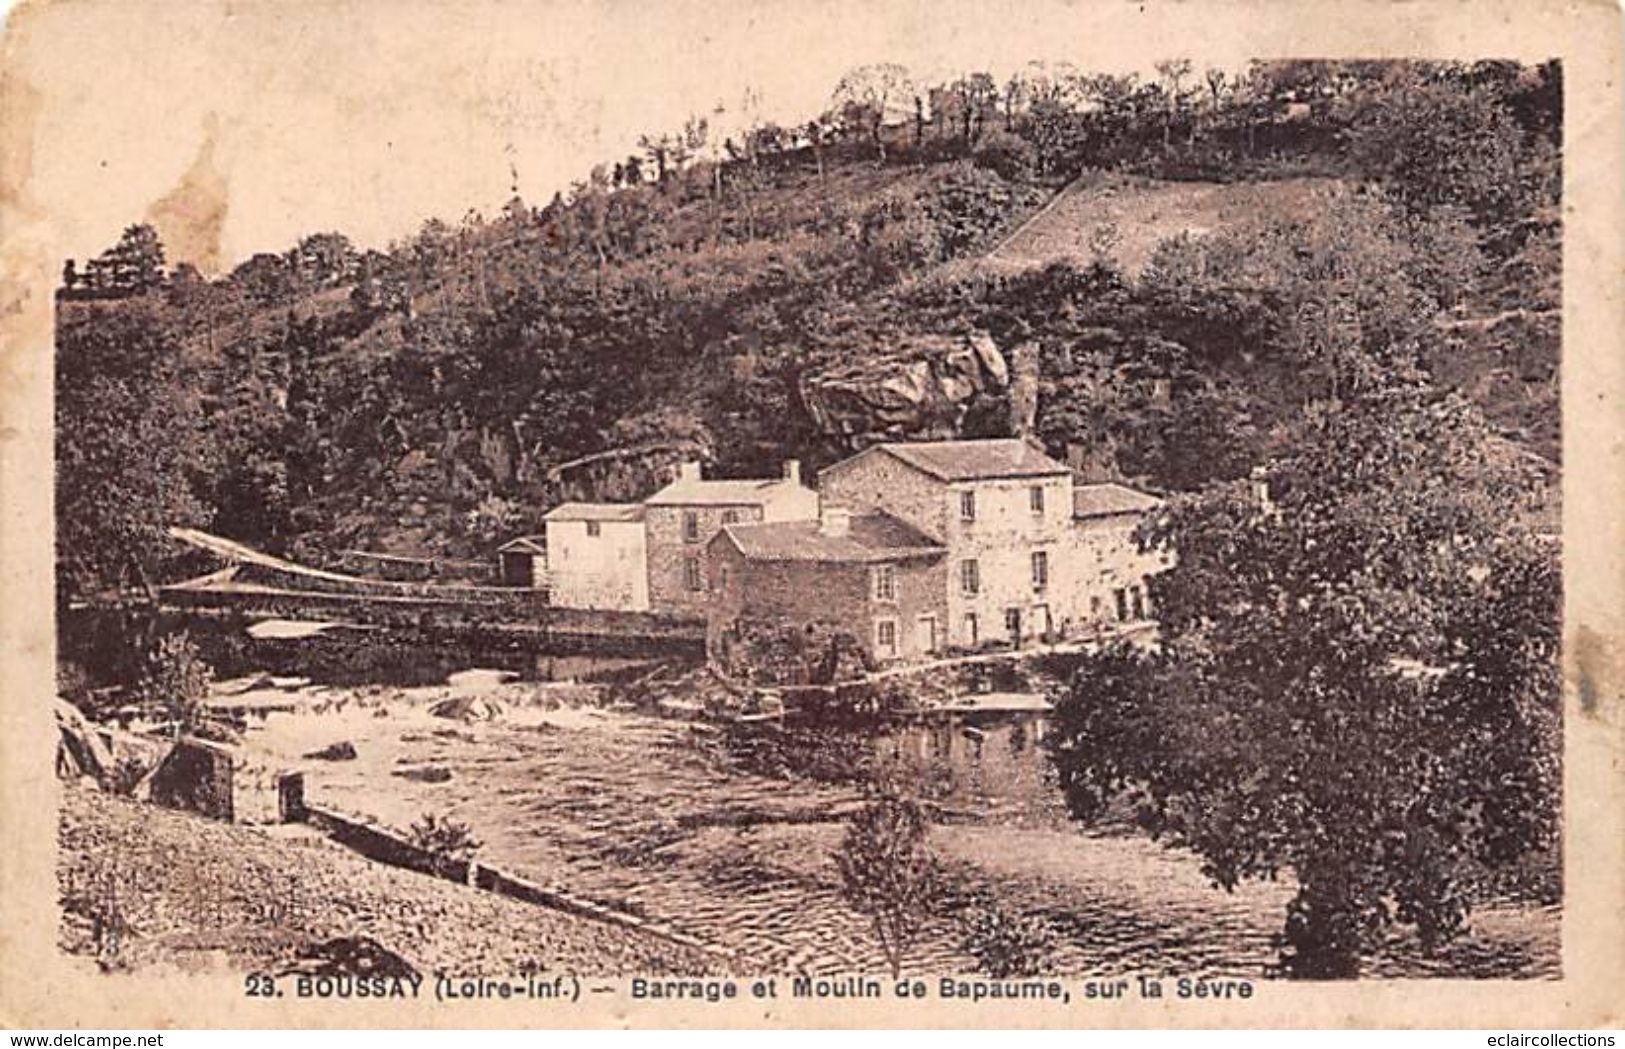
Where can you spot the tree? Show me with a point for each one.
(323, 260)
(867, 96)
(658, 148)
(888, 873)
(1173, 73)
(817, 132)
(1357, 683)
(1438, 143)
(129, 442)
(176, 680)
(1352, 290)
(132, 266)
(969, 102)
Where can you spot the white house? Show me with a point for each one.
(597, 556)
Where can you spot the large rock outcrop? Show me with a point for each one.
(923, 390)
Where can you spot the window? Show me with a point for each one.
(693, 577)
(691, 526)
(595, 529)
(970, 577)
(967, 506)
(883, 582)
(1035, 499)
(886, 637)
(722, 579)
(970, 628)
(1094, 606)
(1012, 623)
(1121, 597)
(1138, 597)
(1040, 569)
(730, 517)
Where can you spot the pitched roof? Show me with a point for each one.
(1110, 500)
(595, 512)
(692, 491)
(872, 537)
(985, 460)
(534, 544)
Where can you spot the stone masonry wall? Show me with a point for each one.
(1106, 559)
(1001, 540)
(609, 570)
(823, 598)
(875, 480)
(668, 553)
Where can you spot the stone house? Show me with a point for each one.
(681, 519)
(783, 591)
(597, 556)
(1027, 556)
(1109, 567)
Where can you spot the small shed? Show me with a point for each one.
(523, 562)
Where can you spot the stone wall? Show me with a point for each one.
(1002, 540)
(600, 630)
(384, 844)
(669, 552)
(760, 607)
(876, 480)
(1106, 559)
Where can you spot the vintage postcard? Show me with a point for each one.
(814, 513)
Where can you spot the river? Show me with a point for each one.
(729, 835)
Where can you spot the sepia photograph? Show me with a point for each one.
(961, 512)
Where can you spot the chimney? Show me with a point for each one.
(792, 471)
(835, 522)
(689, 471)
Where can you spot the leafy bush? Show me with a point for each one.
(1006, 943)
(444, 836)
(176, 679)
(1011, 156)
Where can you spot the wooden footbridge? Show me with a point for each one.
(253, 583)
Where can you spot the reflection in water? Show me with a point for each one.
(989, 763)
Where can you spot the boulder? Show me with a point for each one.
(79, 747)
(922, 389)
(343, 750)
(425, 774)
(467, 708)
(351, 956)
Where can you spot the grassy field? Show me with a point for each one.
(1124, 218)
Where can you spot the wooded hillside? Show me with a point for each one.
(438, 396)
